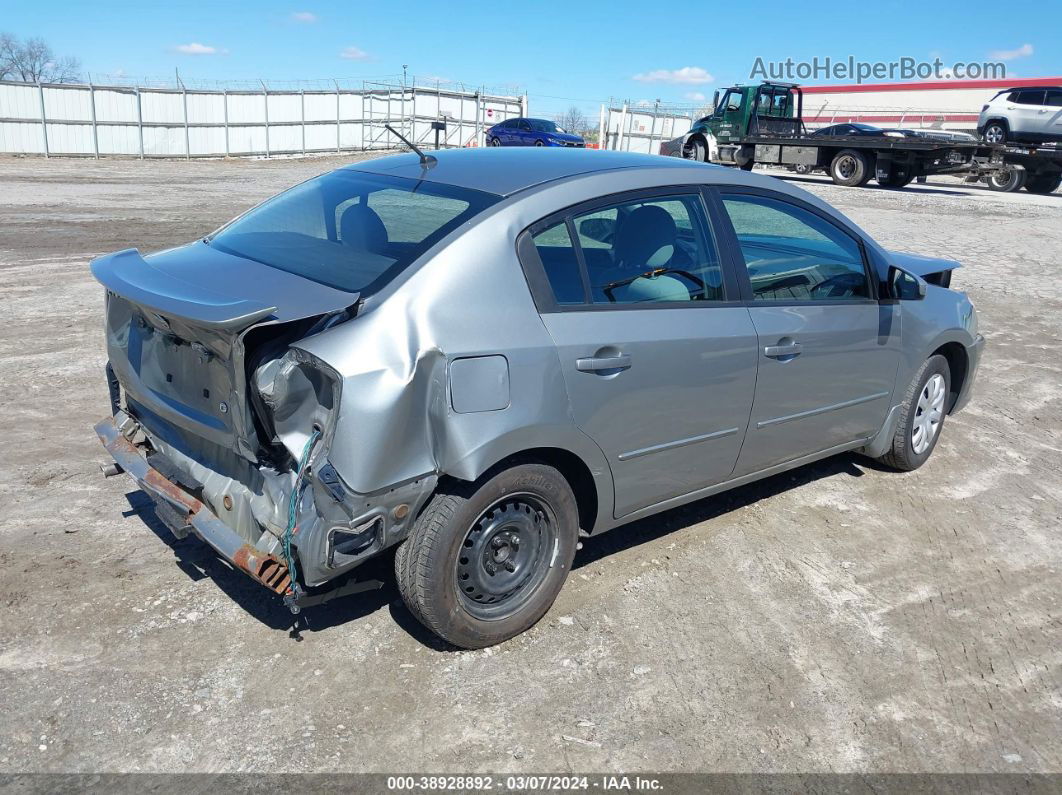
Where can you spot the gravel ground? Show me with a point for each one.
(836, 618)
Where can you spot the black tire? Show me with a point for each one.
(539, 143)
(902, 455)
(747, 166)
(995, 132)
(456, 596)
(1007, 181)
(851, 168)
(895, 180)
(1043, 183)
(495, 142)
(695, 150)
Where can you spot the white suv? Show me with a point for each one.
(1022, 114)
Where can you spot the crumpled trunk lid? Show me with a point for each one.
(177, 330)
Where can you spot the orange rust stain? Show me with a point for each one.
(155, 479)
(264, 568)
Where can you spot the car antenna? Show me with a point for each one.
(425, 160)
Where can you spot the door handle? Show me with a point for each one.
(593, 364)
(786, 351)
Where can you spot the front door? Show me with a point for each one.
(827, 351)
(659, 366)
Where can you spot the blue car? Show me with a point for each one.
(531, 132)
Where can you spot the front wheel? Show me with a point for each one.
(485, 560)
(995, 133)
(922, 416)
(694, 150)
(495, 142)
(539, 143)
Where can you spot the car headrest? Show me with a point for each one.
(361, 227)
(645, 238)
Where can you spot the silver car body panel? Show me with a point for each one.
(451, 368)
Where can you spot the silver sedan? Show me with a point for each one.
(484, 356)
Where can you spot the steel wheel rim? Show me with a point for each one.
(505, 556)
(929, 413)
(846, 166)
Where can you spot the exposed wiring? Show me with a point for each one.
(293, 505)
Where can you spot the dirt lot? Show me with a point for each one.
(838, 618)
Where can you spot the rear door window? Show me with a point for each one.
(647, 250)
(1030, 97)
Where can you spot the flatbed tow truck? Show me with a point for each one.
(762, 123)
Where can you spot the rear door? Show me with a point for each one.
(657, 355)
(827, 351)
(1024, 112)
(1052, 113)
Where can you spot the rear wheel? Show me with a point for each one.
(850, 168)
(1011, 179)
(922, 416)
(895, 179)
(485, 560)
(1043, 183)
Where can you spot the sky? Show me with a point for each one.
(561, 54)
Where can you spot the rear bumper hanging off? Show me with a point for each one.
(267, 569)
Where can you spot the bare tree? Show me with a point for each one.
(574, 121)
(33, 61)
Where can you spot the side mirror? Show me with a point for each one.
(599, 229)
(904, 285)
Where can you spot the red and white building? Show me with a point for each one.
(940, 104)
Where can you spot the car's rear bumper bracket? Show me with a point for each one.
(267, 569)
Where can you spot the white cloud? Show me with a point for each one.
(195, 48)
(694, 96)
(307, 17)
(687, 75)
(1024, 51)
(354, 54)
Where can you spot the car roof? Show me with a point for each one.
(507, 170)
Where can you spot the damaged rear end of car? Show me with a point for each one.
(219, 414)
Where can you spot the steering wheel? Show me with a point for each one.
(840, 286)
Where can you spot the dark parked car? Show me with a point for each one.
(485, 356)
(858, 130)
(531, 132)
(861, 130)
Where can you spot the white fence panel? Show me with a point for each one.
(162, 107)
(21, 138)
(21, 102)
(160, 122)
(246, 108)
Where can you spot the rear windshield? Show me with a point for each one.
(348, 229)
